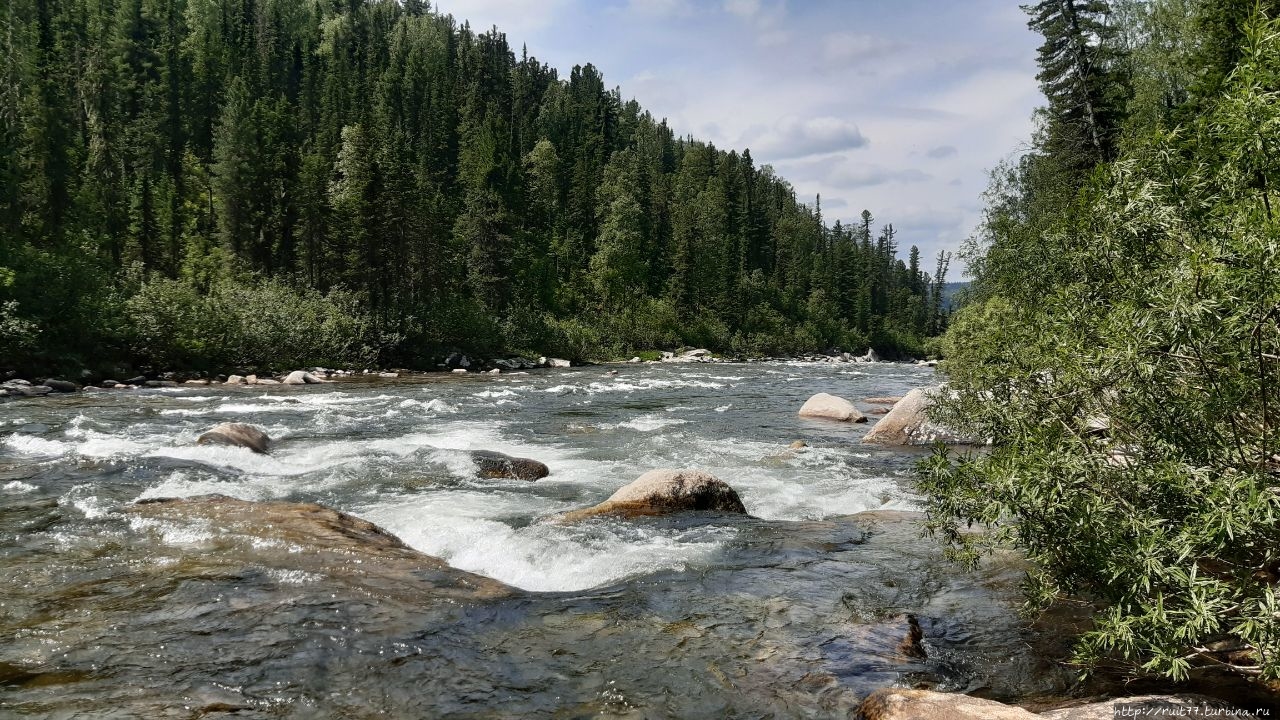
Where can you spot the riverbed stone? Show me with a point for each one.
(238, 435)
(497, 465)
(831, 407)
(558, 363)
(667, 491)
(884, 400)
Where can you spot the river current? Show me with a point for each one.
(798, 610)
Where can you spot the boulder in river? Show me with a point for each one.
(237, 434)
(496, 465)
(908, 424)
(457, 361)
(558, 363)
(884, 400)
(665, 491)
(236, 380)
(300, 377)
(61, 386)
(830, 407)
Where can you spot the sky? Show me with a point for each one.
(900, 107)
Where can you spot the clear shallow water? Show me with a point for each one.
(795, 611)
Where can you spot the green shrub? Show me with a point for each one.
(1134, 408)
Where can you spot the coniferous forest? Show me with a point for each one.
(204, 185)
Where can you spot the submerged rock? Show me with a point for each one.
(830, 407)
(496, 465)
(332, 543)
(237, 434)
(884, 400)
(662, 492)
(908, 424)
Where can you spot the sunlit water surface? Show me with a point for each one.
(795, 611)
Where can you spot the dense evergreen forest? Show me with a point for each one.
(1121, 345)
(283, 182)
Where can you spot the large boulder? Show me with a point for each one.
(558, 363)
(343, 548)
(496, 465)
(61, 386)
(300, 377)
(457, 361)
(908, 424)
(237, 434)
(830, 407)
(662, 492)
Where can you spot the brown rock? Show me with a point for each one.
(238, 434)
(662, 492)
(496, 465)
(886, 400)
(903, 704)
(798, 444)
(830, 407)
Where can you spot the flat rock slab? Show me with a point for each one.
(314, 539)
(903, 704)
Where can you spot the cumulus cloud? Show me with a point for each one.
(942, 151)
(793, 137)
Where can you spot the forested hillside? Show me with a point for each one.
(1122, 350)
(276, 182)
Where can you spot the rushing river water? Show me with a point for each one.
(795, 611)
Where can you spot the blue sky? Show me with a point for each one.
(900, 107)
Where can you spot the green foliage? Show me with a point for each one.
(1131, 400)
(265, 324)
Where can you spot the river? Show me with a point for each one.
(794, 611)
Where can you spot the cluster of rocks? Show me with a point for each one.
(906, 422)
(25, 388)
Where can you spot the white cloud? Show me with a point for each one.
(846, 48)
(794, 137)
